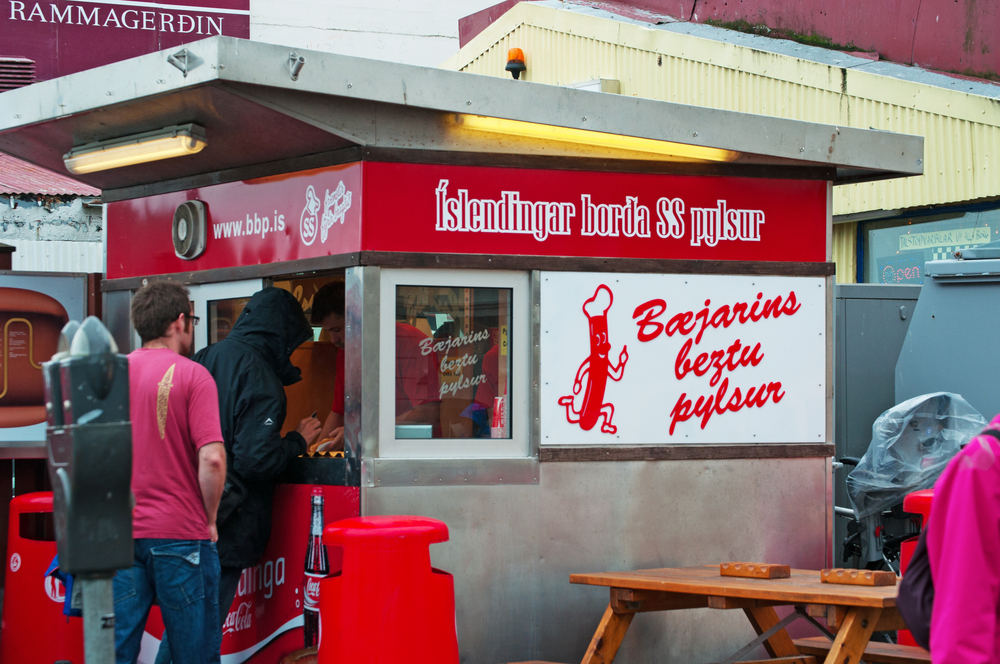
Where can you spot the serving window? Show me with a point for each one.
(455, 381)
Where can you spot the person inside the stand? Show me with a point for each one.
(251, 367)
(178, 472)
(417, 398)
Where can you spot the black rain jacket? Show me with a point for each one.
(251, 366)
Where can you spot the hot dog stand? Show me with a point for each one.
(620, 310)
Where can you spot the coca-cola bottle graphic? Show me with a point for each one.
(317, 567)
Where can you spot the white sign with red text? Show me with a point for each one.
(660, 358)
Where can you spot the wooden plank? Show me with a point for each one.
(857, 577)
(755, 570)
(739, 603)
(588, 453)
(802, 587)
(608, 637)
(624, 600)
(780, 644)
(852, 638)
(799, 659)
(875, 653)
(888, 621)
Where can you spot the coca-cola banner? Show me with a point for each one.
(469, 209)
(67, 36)
(266, 618)
(265, 220)
(660, 358)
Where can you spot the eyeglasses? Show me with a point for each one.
(194, 319)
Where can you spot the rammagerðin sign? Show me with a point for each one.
(66, 37)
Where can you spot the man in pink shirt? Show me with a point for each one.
(963, 548)
(178, 471)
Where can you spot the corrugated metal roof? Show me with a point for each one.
(57, 256)
(20, 177)
(702, 65)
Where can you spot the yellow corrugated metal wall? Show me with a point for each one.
(961, 131)
(845, 252)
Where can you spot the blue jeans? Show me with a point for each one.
(229, 581)
(183, 576)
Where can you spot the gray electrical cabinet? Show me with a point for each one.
(871, 325)
(948, 346)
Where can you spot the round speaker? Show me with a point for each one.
(189, 230)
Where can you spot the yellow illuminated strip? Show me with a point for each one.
(134, 153)
(31, 349)
(674, 151)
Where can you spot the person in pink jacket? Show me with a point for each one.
(963, 547)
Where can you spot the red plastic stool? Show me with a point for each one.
(918, 502)
(34, 628)
(387, 605)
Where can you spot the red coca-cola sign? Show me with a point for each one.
(471, 209)
(265, 620)
(67, 36)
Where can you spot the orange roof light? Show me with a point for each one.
(515, 62)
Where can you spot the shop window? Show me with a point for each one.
(222, 315)
(895, 250)
(454, 383)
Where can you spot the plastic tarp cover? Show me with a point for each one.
(912, 443)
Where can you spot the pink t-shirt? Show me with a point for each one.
(174, 406)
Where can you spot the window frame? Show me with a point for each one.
(518, 445)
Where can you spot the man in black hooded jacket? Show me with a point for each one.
(251, 366)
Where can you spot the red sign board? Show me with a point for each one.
(469, 209)
(466, 209)
(266, 220)
(67, 36)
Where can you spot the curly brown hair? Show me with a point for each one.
(157, 305)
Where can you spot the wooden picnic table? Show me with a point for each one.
(852, 612)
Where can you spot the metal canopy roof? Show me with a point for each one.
(254, 112)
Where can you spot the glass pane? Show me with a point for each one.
(222, 315)
(895, 251)
(452, 362)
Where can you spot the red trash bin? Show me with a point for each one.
(387, 605)
(918, 502)
(34, 628)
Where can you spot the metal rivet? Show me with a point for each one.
(350, 85)
(695, 134)
(468, 103)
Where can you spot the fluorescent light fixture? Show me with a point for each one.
(672, 151)
(176, 141)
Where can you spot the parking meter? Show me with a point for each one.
(90, 451)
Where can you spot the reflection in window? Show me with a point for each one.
(222, 315)
(895, 251)
(452, 362)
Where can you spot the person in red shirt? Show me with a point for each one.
(417, 398)
(178, 471)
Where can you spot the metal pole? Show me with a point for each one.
(98, 619)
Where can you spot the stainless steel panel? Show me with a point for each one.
(361, 361)
(535, 427)
(513, 547)
(443, 472)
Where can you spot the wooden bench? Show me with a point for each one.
(875, 653)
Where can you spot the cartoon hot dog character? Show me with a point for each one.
(592, 376)
(31, 322)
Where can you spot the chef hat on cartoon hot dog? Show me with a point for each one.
(600, 303)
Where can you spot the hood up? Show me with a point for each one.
(274, 324)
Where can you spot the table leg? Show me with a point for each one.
(853, 635)
(608, 637)
(763, 619)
